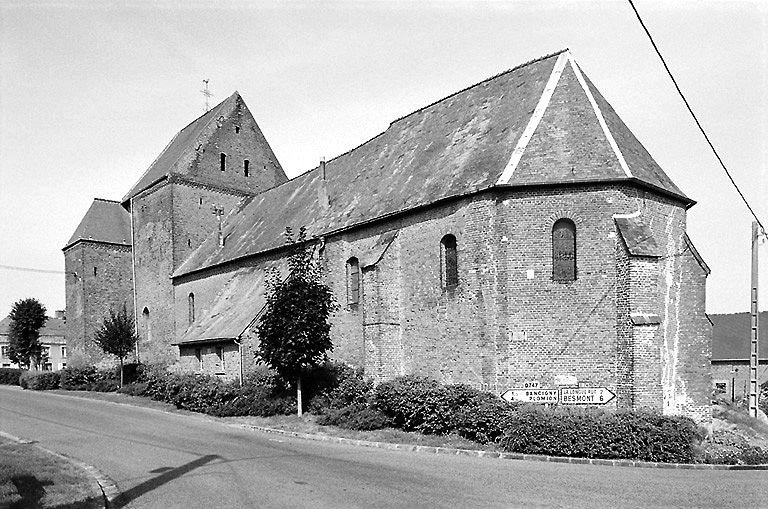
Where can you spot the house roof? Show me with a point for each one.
(181, 151)
(52, 327)
(731, 336)
(535, 124)
(105, 221)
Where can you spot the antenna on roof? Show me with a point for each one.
(207, 94)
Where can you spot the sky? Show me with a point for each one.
(91, 92)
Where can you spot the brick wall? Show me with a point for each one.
(509, 321)
(104, 281)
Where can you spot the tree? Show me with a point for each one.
(117, 336)
(294, 331)
(27, 318)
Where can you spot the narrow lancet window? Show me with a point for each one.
(449, 263)
(223, 163)
(564, 250)
(191, 308)
(246, 167)
(353, 282)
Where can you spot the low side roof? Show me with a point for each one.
(237, 303)
(105, 221)
(522, 127)
(731, 336)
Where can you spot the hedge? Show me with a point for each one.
(593, 433)
(88, 378)
(39, 380)
(10, 376)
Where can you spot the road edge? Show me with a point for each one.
(106, 486)
(445, 450)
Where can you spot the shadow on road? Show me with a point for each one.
(150, 484)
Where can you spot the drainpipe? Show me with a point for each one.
(239, 343)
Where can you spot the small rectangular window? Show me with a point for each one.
(4, 351)
(223, 163)
(94, 271)
(721, 387)
(63, 351)
(246, 169)
(220, 355)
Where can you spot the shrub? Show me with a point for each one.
(349, 387)
(39, 380)
(88, 378)
(10, 376)
(410, 402)
(357, 417)
(592, 433)
(134, 389)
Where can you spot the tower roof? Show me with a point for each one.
(106, 221)
(181, 151)
(541, 123)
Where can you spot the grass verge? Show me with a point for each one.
(31, 477)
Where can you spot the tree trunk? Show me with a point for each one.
(121, 372)
(298, 396)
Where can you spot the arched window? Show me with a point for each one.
(564, 250)
(191, 308)
(449, 263)
(353, 281)
(146, 324)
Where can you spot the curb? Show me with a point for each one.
(444, 450)
(500, 455)
(107, 486)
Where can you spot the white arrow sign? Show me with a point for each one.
(530, 395)
(586, 396)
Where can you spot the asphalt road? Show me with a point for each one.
(168, 460)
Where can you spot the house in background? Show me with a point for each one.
(52, 337)
(730, 353)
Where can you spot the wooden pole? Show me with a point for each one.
(754, 333)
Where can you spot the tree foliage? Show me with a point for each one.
(27, 318)
(294, 331)
(117, 336)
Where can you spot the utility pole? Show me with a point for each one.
(755, 338)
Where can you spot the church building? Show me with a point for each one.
(515, 231)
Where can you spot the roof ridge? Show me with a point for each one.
(529, 62)
(106, 200)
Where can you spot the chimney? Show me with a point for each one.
(61, 314)
(322, 191)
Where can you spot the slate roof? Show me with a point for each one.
(638, 237)
(237, 303)
(456, 146)
(105, 221)
(181, 151)
(731, 336)
(52, 327)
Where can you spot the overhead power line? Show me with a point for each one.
(695, 119)
(30, 269)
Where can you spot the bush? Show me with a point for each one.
(39, 380)
(134, 389)
(10, 376)
(593, 433)
(348, 387)
(88, 378)
(357, 417)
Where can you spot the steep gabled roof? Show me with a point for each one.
(181, 151)
(731, 336)
(106, 221)
(536, 124)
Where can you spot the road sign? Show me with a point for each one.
(531, 395)
(586, 396)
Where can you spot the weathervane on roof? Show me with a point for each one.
(207, 94)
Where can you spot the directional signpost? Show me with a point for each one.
(586, 396)
(563, 396)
